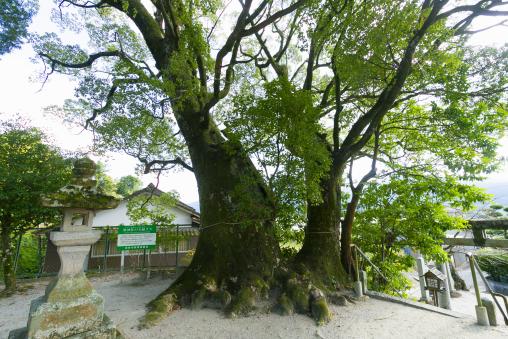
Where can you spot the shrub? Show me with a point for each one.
(495, 263)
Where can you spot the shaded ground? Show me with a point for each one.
(125, 302)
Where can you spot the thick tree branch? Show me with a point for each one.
(163, 164)
(149, 28)
(273, 18)
(355, 140)
(91, 59)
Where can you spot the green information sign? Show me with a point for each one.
(136, 237)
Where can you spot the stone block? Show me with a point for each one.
(491, 311)
(481, 315)
(64, 319)
(106, 330)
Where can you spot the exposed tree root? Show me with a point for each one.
(233, 298)
(304, 293)
(308, 293)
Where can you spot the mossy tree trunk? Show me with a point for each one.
(320, 253)
(237, 251)
(317, 269)
(237, 240)
(347, 234)
(6, 255)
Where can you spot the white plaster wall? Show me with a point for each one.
(118, 216)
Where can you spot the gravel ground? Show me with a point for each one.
(127, 295)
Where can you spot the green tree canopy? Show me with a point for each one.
(105, 183)
(128, 184)
(413, 211)
(410, 75)
(29, 169)
(15, 16)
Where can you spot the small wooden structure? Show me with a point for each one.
(435, 282)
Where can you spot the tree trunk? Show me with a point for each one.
(6, 255)
(347, 233)
(320, 251)
(317, 270)
(237, 212)
(237, 250)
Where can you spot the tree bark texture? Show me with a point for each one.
(237, 251)
(6, 255)
(320, 252)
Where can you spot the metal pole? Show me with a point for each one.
(489, 289)
(122, 262)
(475, 282)
(177, 243)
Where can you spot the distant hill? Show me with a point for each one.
(498, 189)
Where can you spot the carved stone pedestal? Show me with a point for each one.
(70, 308)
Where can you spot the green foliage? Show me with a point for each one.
(105, 184)
(29, 169)
(152, 209)
(15, 16)
(393, 268)
(277, 126)
(494, 262)
(286, 116)
(127, 185)
(496, 206)
(408, 212)
(29, 257)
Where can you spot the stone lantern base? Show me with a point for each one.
(70, 308)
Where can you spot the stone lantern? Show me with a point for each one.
(71, 306)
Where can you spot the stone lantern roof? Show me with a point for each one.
(81, 193)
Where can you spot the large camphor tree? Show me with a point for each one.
(360, 61)
(149, 87)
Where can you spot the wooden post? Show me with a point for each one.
(148, 266)
(106, 249)
(144, 258)
(18, 249)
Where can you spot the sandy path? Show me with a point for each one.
(372, 319)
